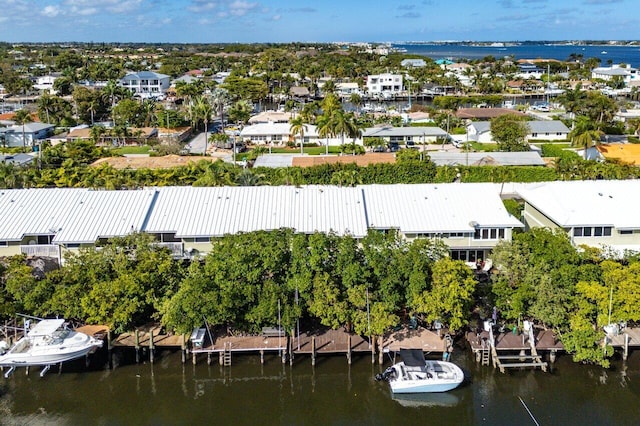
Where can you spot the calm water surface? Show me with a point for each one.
(330, 393)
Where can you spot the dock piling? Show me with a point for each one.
(349, 349)
(151, 346)
(313, 350)
(625, 354)
(136, 345)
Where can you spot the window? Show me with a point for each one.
(73, 246)
(4, 243)
(592, 231)
(626, 232)
(202, 239)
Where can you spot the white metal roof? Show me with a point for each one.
(277, 129)
(105, 214)
(84, 216)
(73, 215)
(587, 203)
(35, 211)
(436, 207)
(201, 212)
(449, 158)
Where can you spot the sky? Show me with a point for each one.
(246, 21)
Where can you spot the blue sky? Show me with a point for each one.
(205, 21)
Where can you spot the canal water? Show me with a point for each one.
(331, 393)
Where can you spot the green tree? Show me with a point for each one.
(23, 117)
(451, 295)
(585, 134)
(298, 126)
(510, 131)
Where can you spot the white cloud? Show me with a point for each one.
(241, 8)
(276, 17)
(50, 11)
(202, 5)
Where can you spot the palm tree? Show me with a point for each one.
(46, 104)
(356, 100)
(298, 127)
(23, 117)
(203, 111)
(220, 98)
(343, 123)
(325, 130)
(96, 133)
(585, 134)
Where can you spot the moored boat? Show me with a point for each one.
(414, 374)
(47, 343)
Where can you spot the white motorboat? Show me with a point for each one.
(47, 343)
(414, 374)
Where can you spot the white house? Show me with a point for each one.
(146, 82)
(347, 89)
(402, 135)
(550, 130)
(413, 63)
(12, 135)
(628, 75)
(470, 218)
(384, 83)
(45, 83)
(595, 213)
(278, 134)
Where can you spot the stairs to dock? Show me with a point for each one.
(227, 356)
(485, 353)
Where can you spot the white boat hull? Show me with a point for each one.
(49, 349)
(433, 376)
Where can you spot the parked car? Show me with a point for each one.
(394, 146)
(379, 148)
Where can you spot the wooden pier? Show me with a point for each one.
(626, 339)
(508, 350)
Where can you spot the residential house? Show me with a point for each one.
(404, 135)
(276, 134)
(595, 213)
(33, 132)
(413, 63)
(346, 89)
(19, 159)
(271, 117)
(529, 71)
(470, 218)
(146, 82)
(382, 84)
(627, 75)
(45, 83)
(547, 130)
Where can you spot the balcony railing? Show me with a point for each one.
(176, 249)
(41, 250)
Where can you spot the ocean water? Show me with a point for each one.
(616, 54)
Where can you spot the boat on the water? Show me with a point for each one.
(414, 374)
(47, 343)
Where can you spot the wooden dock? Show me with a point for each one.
(626, 339)
(500, 349)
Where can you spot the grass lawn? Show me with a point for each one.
(144, 149)
(486, 147)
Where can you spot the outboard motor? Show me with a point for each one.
(4, 347)
(386, 375)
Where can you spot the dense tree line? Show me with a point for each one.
(246, 279)
(369, 286)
